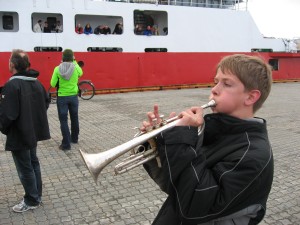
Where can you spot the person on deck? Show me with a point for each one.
(79, 29)
(88, 29)
(118, 29)
(148, 31)
(37, 28)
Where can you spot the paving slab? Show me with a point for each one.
(70, 195)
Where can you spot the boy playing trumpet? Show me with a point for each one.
(224, 175)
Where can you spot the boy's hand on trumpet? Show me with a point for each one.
(189, 117)
(152, 116)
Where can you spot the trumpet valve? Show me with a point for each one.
(158, 123)
(138, 133)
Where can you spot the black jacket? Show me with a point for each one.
(216, 174)
(32, 73)
(23, 112)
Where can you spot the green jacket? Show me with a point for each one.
(65, 78)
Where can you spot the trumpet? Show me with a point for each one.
(97, 161)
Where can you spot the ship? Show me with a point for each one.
(187, 40)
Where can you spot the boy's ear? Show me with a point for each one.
(11, 65)
(253, 96)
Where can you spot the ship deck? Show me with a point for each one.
(70, 195)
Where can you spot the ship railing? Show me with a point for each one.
(192, 3)
(197, 4)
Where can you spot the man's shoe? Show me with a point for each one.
(23, 207)
(63, 148)
(74, 142)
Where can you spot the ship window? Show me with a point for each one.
(9, 22)
(54, 21)
(261, 50)
(104, 49)
(146, 22)
(100, 24)
(47, 49)
(156, 50)
(274, 64)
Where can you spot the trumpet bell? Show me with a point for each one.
(94, 163)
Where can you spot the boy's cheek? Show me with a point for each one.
(214, 110)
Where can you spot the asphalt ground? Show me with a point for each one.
(70, 195)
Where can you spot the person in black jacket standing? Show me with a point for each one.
(23, 119)
(223, 174)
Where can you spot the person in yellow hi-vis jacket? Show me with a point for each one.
(65, 78)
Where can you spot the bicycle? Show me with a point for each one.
(86, 91)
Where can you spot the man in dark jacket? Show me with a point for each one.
(23, 119)
(224, 174)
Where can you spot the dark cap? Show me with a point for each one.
(68, 55)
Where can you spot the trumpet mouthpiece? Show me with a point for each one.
(211, 103)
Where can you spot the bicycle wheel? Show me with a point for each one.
(52, 92)
(87, 90)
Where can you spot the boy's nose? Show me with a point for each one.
(214, 90)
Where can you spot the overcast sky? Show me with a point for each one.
(276, 18)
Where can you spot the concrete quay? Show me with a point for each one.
(71, 197)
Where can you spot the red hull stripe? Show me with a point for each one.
(118, 72)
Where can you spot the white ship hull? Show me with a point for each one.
(197, 38)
